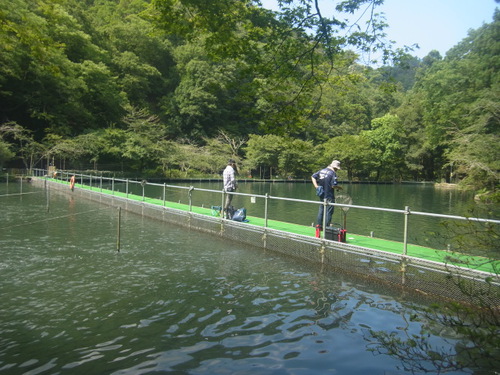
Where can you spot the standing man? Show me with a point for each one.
(230, 185)
(325, 182)
(72, 181)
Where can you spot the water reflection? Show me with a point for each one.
(472, 332)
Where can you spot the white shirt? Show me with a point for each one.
(229, 179)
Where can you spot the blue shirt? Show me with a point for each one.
(328, 179)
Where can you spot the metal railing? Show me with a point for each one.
(100, 183)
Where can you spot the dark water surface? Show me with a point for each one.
(175, 301)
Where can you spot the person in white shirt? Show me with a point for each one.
(230, 185)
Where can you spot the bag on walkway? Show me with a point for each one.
(240, 214)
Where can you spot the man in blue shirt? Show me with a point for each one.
(325, 181)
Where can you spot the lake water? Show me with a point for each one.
(175, 301)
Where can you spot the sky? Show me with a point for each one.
(432, 24)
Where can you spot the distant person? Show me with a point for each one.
(325, 183)
(72, 183)
(230, 185)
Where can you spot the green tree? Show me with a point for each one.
(291, 53)
(355, 153)
(5, 153)
(200, 97)
(53, 78)
(190, 158)
(420, 156)
(387, 141)
(346, 106)
(222, 148)
(20, 141)
(262, 154)
(460, 121)
(211, 95)
(102, 145)
(145, 139)
(296, 158)
(140, 57)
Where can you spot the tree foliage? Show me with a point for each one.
(177, 87)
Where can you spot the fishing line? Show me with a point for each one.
(54, 218)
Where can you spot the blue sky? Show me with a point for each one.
(432, 24)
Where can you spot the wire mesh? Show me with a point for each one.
(415, 274)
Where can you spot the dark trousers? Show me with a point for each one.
(329, 213)
(227, 204)
(229, 198)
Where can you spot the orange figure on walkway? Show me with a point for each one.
(72, 183)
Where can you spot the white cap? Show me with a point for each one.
(335, 164)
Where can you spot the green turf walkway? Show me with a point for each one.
(441, 256)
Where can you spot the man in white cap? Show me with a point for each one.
(325, 183)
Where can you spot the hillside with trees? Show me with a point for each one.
(174, 88)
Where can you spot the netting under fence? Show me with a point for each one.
(415, 274)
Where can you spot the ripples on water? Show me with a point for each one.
(174, 301)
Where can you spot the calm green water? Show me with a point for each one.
(175, 301)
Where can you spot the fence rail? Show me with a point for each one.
(99, 182)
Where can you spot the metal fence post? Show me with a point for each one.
(164, 193)
(325, 205)
(47, 194)
(405, 238)
(265, 209)
(223, 204)
(126, 188)
(190, 193)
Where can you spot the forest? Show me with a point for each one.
(174, 88)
